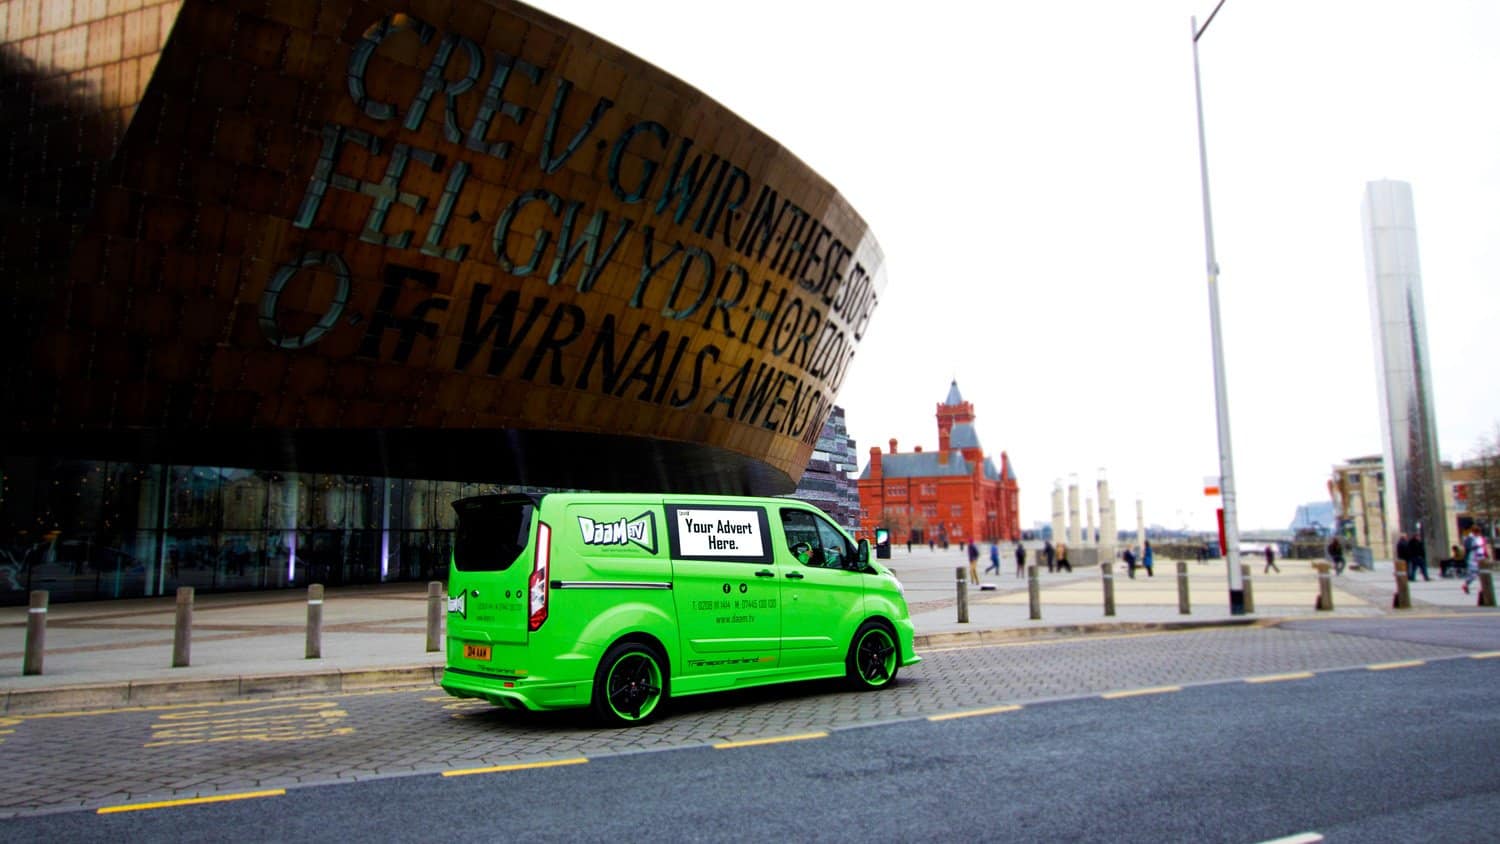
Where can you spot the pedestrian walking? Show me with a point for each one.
(1403, 553)
(994, 559)
(1336, 554)
(1062, 557)
(1148, 560)
(1130, 562)
(1476, 550)
(1416, 551)
(1271, 561)
(974, 563)
(1020, 560)
(1049, 554)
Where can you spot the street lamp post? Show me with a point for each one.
(1221, 398)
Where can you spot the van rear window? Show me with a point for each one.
(493, 530)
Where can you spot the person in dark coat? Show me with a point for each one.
(1336, 554)
(1271, 561)
(1049, 554)
(1416, 559)
(1130, 562)
(1020, 560)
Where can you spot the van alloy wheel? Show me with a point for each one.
(872, 657)
(629, 686)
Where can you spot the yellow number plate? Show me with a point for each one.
(479, 652)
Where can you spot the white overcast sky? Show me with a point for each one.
(1030, 170)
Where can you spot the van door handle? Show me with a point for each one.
(792, 575)
(764, 573)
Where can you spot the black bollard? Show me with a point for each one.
(182, 634)
(1107, 573)
(963, 595)
(1034, 591)
(315, 621)
(36, 632)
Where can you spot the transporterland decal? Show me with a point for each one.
(640, 531)
(720, 533)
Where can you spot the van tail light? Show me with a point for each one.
(536, 604)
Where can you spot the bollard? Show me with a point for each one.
(1034, 591)
(36, 632)
(434, 616)
(1184, 607)
(1325, 587)
(315, 621)
(963, 595)
(1402, 599)
(1486, 586)
(182, 635)
(1249, 593)
(1107, 572)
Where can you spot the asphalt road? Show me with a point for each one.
(1327, 745)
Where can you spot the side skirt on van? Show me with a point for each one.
(685, 686)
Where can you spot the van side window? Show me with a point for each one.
(801, 530)
(827, 547)
(836, 551)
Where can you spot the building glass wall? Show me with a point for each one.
(87, 530)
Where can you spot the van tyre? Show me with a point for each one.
(873, 657)
(629, 685)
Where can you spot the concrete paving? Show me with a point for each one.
(250, 645)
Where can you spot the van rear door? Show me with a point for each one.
(493, 552)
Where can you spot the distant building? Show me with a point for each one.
(828, 483)
(1360, 502)
(955, 494)
(1316, 516)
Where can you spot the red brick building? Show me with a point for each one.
(954, 494)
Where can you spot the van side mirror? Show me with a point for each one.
(863, 555)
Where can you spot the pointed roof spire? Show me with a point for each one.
(953, 396)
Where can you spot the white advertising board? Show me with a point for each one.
(719, 533)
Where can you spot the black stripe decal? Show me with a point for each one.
(608, 584)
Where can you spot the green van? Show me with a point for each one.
(620, 601)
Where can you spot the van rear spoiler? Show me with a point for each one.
(477, 503)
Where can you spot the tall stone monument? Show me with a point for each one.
(1057, 511)
(1414, 497)
(1073, 511)
(1106, 520)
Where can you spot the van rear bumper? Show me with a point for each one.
(516, 692)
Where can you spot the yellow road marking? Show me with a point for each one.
(189, 801)
(1387, 666)
(166, 707)
(1158, 690)
(993, 710)
(775, 740)
(1485, 655)
(521, 766)
(1277, 678)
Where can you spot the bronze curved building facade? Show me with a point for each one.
(462, 242)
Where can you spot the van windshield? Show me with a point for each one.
(492, 531)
